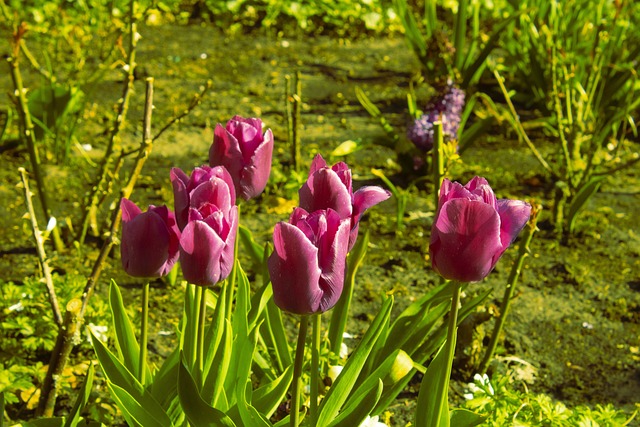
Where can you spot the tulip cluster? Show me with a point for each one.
(203, 230)
(307, 266)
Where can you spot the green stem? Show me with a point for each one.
(142, 366)
(231, 282)
(510, 290)
(315, 367)
(450, 345)
(202, 315)
(438, 160)
(297, 372)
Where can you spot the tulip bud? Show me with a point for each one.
(330, 188)
(472, 229)
(308, 263)
(246, 152)
(402, 365)
(149, 246)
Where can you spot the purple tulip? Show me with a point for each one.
(330, 188)
(472, 229)
(220, 193)
(149, 246)
(246, 152)
(308, 263)
(205, 204)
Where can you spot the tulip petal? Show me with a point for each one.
(129, 210)
(514, 215)
(366, 197)
(212, 192)
(225, 151)
(317, 163)
(145, 245)
(179, 181)
(325, 190)
(294, 271)
(255, 174)
(200, 252)
(333, 248)
(465, 239)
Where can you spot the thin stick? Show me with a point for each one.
(509, 291)
(67, 337)
(42, 257)
(29, 137)
(438, 161)
(58, 360)
(98, 190)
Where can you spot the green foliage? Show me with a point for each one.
(28, 334)
(503, 403)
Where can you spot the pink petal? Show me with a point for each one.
(200, 252)
(514, 215)
(465, 239)
(325, 190)
(294, 271)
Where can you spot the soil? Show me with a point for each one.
(576, 315)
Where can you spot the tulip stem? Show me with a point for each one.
(315, 367)
(509, 291)
(438, 160)
(202, 315)
(231, 283)
(297, 372)
(142, 366)
(450, 345)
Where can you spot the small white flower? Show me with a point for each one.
(334, 371)
(16, 307)
(372, 422)
(344, 351)
(99, 331)
(87, 147)
(51, 224)
(468, 396)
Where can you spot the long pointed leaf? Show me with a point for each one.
(81, 400)
(126, 343)
(135, 412)
(359, 407)
(341, 389)
(197, 410)
(432, 406)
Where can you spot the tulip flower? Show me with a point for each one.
(246, 152)
(308, 263)
(330, 188)
(472, 229)
(205, 203)
(149, 246)
(221, 191)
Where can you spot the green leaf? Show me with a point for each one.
(198, 412)
(135, 412)
(42, 422)
(465, 418)
(430, 405)
(581, 198)
(214, 381)
(248, 414)
(267, 398)
(360, 406)
(126, 343)
(275, 337)
(122, 379)
(164, 385)
(114, 370)
(345, 148)
(341, 389)
(254, 250)
(340, 312)
(81, 400)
